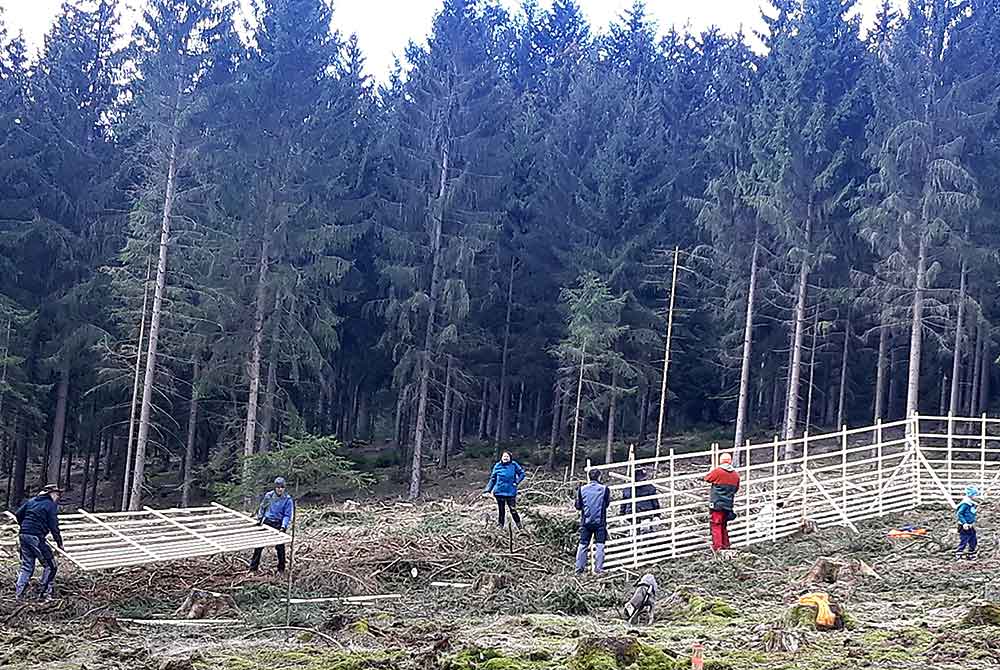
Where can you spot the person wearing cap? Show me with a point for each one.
(966, 515)
(276, 511)
(37, 518)
(725, 483)
(593, 500)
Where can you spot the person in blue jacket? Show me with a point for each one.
(276, 511)
(966, 515)
(592, 500)
(37, 518)
(504, 479)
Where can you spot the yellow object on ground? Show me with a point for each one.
(821, 601)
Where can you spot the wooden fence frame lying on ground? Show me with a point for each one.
(106, 540)
(832, 479)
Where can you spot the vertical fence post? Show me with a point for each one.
(878, 440)
(913, 427)
(746, 497)
(982, 454)
(951, 444)
(673, 509)
(774, 490)
(635, 506)
(843, 469)
(805, 479)
(715, 456)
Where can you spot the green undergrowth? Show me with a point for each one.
(305, 659)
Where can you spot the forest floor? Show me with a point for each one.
(525, 609)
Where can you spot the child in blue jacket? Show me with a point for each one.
(506, 475)
(966, 515)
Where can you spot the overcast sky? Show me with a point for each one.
(385, 26)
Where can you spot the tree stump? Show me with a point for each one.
(983, 614)
(829, 571)
(490, 582)
(776, 638)
(205, 605)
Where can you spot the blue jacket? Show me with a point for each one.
(593, 500)
(966, 512)
(39, 516)
(505, 478)
(275, 508)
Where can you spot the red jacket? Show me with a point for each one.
(725, 483)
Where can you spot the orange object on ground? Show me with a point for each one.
(697, 656)
(824, 615)
(909, 531)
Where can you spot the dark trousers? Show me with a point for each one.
(35, 548)
(255, 561)
(967, 539)
(503, 502)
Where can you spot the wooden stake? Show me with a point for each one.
(666, 354)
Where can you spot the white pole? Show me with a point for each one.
(878, 439)
(635, 527)
(914, 426)
(666, 354)
(774, 490)
(673, 509)
(843, 468)
(805, 470)
(982, 452)
(951, 442)
(746, 495)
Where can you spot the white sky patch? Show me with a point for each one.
(384, 27)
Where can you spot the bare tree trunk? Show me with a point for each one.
(97, 469)
(661, 421)
(483, 410)
(977, 367)
(20, 464)
(956, 358)
(520, 409)
(191, 432)
(916, 333)
(58, 425)
(425, 362)
(943, 405)
(892, 402)
(576, 415)
(812, 372)
(253, 365)
(794, 371)
(843, 371)
(139, 466)
(537, 424)
(612, 409)
(880, 375)
(644, 413)
(984, 375)
(744, 397)
(555, 432)
(446, 417)
(503, 417)
(88, 459)
(267, 415)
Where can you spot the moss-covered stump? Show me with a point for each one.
(698, 606)
(804, 616)
(985, 614)
(612, 653)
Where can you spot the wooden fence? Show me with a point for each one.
(831, 479)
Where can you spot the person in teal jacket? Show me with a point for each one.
(506, 475)
(966, 515)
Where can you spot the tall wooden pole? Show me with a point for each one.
(576, 417)
(666, 354)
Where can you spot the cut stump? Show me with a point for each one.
(205, 605)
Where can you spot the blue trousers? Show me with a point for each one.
(967, 539)
(35, 548)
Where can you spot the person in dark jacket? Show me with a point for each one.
(37, 518)
(504, 479)
(276, 510)
(644, 508)
(593, 500)
(725, 483)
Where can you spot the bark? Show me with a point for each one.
(20, 465)
(520, 409)
(364, 420)
(86, 475)
(425, 362)
(794, 370)
(191, 433)
(943, 405)
(97, 470)
(537, 424)
(892, 402)
(555, 432)
(643, 413)
(880, 375)
(661, 420)
(812, 372)
(612, 409)
(977, 367)
(253, 365)
(58, 426)
(984, 375)
(483, 409)
(916, 333)
(503, 432)
(139, 466)
(843, 371)
(446, 417)
(744, 397)
(956, 357)
(576, 415)
(400, 402)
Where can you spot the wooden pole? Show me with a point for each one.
(666, 354)
(576, 417)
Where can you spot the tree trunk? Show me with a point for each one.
(520, 409)
(267, 415)
(576, 414)
(58, 426)
(400, 403)
(956, 357)
(191, 432)
(139, 466)
(741, 405)
(253, 365)
(794, 371)
(86, 475)
(20, 464)
(612, 410)
(977, 368)
(446, 417)
(483, 410)
(364, 418)
(536, 426)
(892, 402)
(97, 469)
(984, 375)
(943, 405)
(916, 334)
(812, 372)
(643, 413)
(425, 362)
(843, 372)
(503, 416)
(880, 375)
(555, 432)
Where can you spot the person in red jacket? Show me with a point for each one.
(725, 483)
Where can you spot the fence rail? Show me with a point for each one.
(832, 479)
